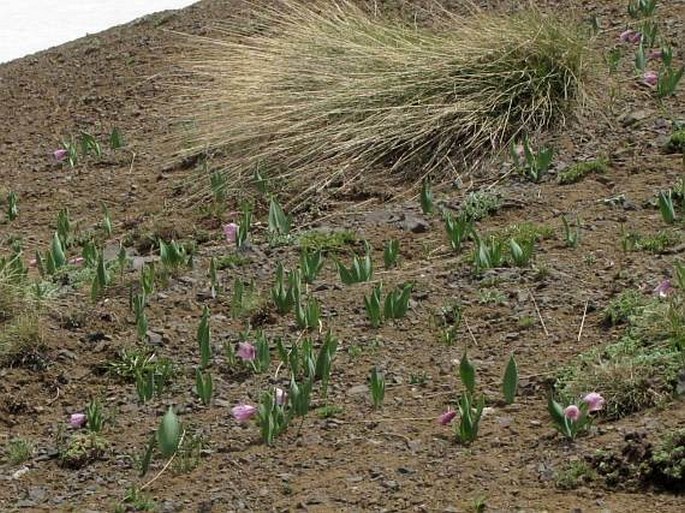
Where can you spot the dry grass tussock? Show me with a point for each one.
(319, 91)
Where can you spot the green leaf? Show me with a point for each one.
(511, 380)
(147, 457)
(467, 373)
(57, 251)
(169, 433)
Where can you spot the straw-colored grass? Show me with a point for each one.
(325, 90)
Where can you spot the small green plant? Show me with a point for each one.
(12, 208)
(521, 253)
(575, 474)
(510, 380)
(377, 382)
(285, 298)
(271, 418)
(18, 450)
(571, 235)
(106, 221)
(308, 315)
(480, 204)
(360, 270)
(326, 241)
(573, 420)
(676, 142)
(279, 222)
(94, 417)
(138, 305)
(218, 183)
(668, 81)
(245, 298)
(391, 253)
(576, 172)
(373, 305)
(64, 228)
(623, 307)
(244, 226)
(81, 449)
(172, 255)
(458, 229)
(397, 302)
(116, 139)
(470, 410)
(666, 207)
(169, 432)
(204, 339)
(262, 358)
(311, 264)
(136, 499)
(147, 278)
(641, 8)
(426, 197)
(100, 278)
(534, 165)
(324, 361)
(488, 254)
(90, 145)
(204, 385)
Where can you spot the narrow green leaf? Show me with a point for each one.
(467, 373)
(511, 380)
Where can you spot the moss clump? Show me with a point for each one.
(676, 143)
(578, 171)
(317, 240)
(639, 371)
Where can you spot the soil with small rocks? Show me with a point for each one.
(397, 457)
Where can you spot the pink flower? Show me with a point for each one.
(446, 417)
(594, 401)
(650, 78)
(76, 260)
(246, 351)
(572, 412)
(60, 154)
(77, 420)
(630, 36)
(281, 396)
(655, 55)
(231, 232)
(663, 289)
(243, 412)
(520, 151)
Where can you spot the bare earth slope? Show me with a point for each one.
(358, 459)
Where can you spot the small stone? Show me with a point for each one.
(414, 224)
(358, 390)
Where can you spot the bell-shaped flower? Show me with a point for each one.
(594, 401)
(243, 412)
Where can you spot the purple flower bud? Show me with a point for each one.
(594, 401)
(663, 289)
(243, 412)
(246, 351)
(77, 420)
(446, 417)
(572, 412)
(650, 78)
(630, 36)
(281, 396)
(231, 232)
(655, 55)
(60, 154)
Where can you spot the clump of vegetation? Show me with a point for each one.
(18, 450)
(81, 449)
(575, 474)
(576, 172)
(317, 240)
(480, 204)
(623, 306)
(525, 232)
(656, 243)
(667, 464)
(676, 142)
(349, 92)
(640, 370)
